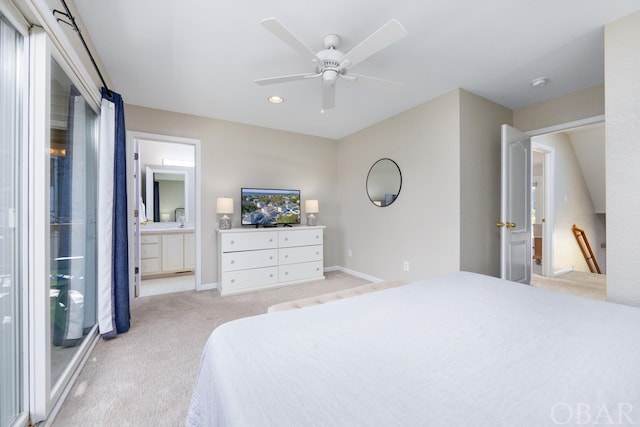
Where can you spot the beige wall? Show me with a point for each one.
(622, 80)
(480, 122)
(573, 205)
(422, 225)
(578, 105)
(235, 155)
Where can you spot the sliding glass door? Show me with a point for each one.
(48, 174)
(72, 221)
(11, 119)
(62, 216)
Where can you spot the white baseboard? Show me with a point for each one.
(214, 285)
(207, 286)
(563, 271)
(354, 273)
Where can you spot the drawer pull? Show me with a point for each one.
(233, 280)
(286, 273)
(286, 256)
(317, 268)
(271, 257)
(286, 239)
(271, 240)
(231, 242)
(271, 275)
(317, 237)
(317, 253)
(233, 261)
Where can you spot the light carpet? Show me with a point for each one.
(590, 285)
(146, 376)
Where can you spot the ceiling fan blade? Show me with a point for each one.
(386, 35)
(280, 31)
(372, 81)
(283, 79)
(328, 96)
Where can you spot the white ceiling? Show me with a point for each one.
(200, 56)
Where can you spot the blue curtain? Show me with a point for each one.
(121, 316)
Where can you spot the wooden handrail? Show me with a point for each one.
(585, 247)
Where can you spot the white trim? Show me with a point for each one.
(38, 195)
(208, 286)
(563, 271)
(14, 17)
(548, 242)
(566, 126)
(354, 273)
(133, 136)
(44, 16)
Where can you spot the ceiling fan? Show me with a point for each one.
(331, 63)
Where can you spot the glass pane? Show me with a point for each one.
(72, 196)
(10, 285)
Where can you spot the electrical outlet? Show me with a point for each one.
(405, 266)
(349, 253)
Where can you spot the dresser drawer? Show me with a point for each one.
(237, 280)
(149, 251)
(248, 241)
(149, 238)
(290, 238)
(300, 254)
(307, 270)
(232, 261)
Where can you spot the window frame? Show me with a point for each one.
(46, 398)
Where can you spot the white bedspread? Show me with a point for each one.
(459, 350)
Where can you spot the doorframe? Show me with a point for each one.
(133, 138)
(548, 214)
(547, 237)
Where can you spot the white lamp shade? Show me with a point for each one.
(311, 206)
(224, 205)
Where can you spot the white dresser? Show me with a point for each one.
(250, 259)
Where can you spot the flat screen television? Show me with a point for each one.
(270, 206)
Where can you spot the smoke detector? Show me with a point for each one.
(539, 82)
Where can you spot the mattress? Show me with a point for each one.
(462, 349)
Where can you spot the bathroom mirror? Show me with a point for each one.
(384, 182)
(166, 194)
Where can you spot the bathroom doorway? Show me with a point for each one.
(166, 188)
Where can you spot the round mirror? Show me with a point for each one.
(384, 182)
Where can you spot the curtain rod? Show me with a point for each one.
(84, 43)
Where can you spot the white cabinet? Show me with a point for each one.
(252, 259)
(164, 253)
(172, 252)
(149, 254)
(189, 251)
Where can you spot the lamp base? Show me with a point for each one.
(225, 223)
(311, 220)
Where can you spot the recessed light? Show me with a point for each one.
(539, 82)
(275, 99)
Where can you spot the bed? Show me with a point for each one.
(462, 349)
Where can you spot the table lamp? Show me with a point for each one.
(311, 208)
(224, 206)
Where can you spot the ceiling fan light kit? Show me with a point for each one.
(331, 63)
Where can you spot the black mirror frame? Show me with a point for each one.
(369, 174)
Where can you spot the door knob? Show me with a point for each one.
(500, 224)
(510, 225)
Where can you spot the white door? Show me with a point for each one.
(515, 206)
